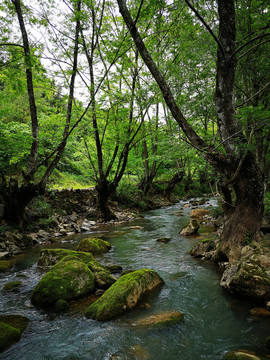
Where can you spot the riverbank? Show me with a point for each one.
(62, 213)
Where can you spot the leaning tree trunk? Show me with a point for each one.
(243, 216)
(176, 179)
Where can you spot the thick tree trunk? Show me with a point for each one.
(242, 217)
(104, 190)
(15, 199)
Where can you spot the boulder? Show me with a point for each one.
(199, 213)
(12, 286)
(250, 275)
(124, 294)
(205, 248)
(162, 319)
(5, 265)
(191, 229)
(94, 245)
(11, 328)
(67, 280)
(104, 279)
(49, 257)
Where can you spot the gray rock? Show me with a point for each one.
(250, 275)
(191, 229)
(4, 255)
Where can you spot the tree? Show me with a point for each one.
(235, 162)
(20, 190)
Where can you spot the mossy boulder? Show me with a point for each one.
(12, 286)
(66, 280)
(104, 279)
(5, 265)
(11, 328)
(267, 342)
(250, 275)
(204, 248)
(94, 245)
(190, 229)
(18, 321)
(49, 257)
(162, 319)
(8, 335)
(124, 294)
(61, 306)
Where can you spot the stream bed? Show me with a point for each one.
(215, 321)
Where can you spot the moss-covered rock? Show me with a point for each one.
(8, 335)
(124, 294)
(204, 248)
(104, 279)
(61, 306)
(267, 342)
(5, 265)
(12, 286)
(66, 280)
(191, 229)
(250, 275)
(163, 319)
(18, 321)
(94, 245)
(49, 257)
(11, 328)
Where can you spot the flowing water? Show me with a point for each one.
(215, 321)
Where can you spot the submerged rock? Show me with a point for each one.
(67, 280)
(191, 229)
(164, 240)
(11, 328)
(250, 275)
(94, 245)
(124, 294)
(12, 286)
(162, 319)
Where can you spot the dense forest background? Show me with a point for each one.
(79, 107)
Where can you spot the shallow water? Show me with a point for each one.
(215, 321)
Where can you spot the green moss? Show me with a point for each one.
(5, 265)
(66, 280)
(49, 257)
(8, 335)
(12, 286)
(267, 341)
(124, 294)
(104, 279)
(61, 306)
(18, 321)
(94, 245)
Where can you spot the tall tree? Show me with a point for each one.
(236, 163)
(16, 195)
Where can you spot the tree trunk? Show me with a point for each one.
(242, 217)
(104, 190)
(15, 199)
(176, 179)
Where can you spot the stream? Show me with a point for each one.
(214, 323)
